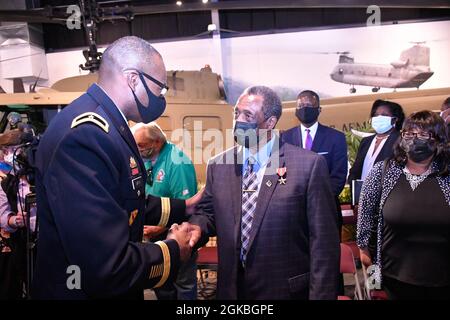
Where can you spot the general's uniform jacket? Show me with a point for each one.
(91, 200)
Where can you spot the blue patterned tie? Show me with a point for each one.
(249, 197)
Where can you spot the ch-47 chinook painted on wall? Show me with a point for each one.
(410, 71)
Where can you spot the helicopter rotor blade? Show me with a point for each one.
(427, 41)
(331, 52)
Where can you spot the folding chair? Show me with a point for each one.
(207, 261)
(348, 266)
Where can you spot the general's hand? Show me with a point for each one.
(192, 202)
(180, 233)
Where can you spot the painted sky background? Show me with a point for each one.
(286, 61)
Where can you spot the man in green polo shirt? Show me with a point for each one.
(171, 174)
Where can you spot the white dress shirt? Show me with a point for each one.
(312, 132)
(371, 156)
(262, 158)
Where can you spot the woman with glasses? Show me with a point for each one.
(405, 203)
(387, 119)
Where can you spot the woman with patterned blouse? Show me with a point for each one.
(405, 206)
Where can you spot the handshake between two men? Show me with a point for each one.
(187, 236)
(164, 212)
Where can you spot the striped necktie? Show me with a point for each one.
(249, 197)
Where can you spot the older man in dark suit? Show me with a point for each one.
(272, 208)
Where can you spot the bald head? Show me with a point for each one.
(128, 53)
(121, 72)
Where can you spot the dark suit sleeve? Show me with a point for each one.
(338, 172)
(164, 212)
(204, 216)
(323, 235)
(82, 185)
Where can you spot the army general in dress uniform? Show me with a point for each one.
(91, 187)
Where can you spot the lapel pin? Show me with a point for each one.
(269, 183)
(282, 175)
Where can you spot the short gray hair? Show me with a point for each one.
(271, 105)
(152, 131)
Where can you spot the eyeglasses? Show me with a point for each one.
(164, 88)
(150, 176)
(408, 135)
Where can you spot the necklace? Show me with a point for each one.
(416, 179)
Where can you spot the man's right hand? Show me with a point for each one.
(180, 233)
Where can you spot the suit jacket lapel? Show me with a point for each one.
(235, 174)
(366, 148)
(319, 139)
(266, 192)
(298, 137)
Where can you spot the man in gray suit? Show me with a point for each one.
(271, 206)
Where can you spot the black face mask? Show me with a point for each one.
(156, 105)
(307, 115)
(245, 133)
(418, 150)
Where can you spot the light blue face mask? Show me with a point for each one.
(382, 124)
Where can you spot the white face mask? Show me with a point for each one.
(382, 124)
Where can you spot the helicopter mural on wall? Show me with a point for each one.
(410, 71)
